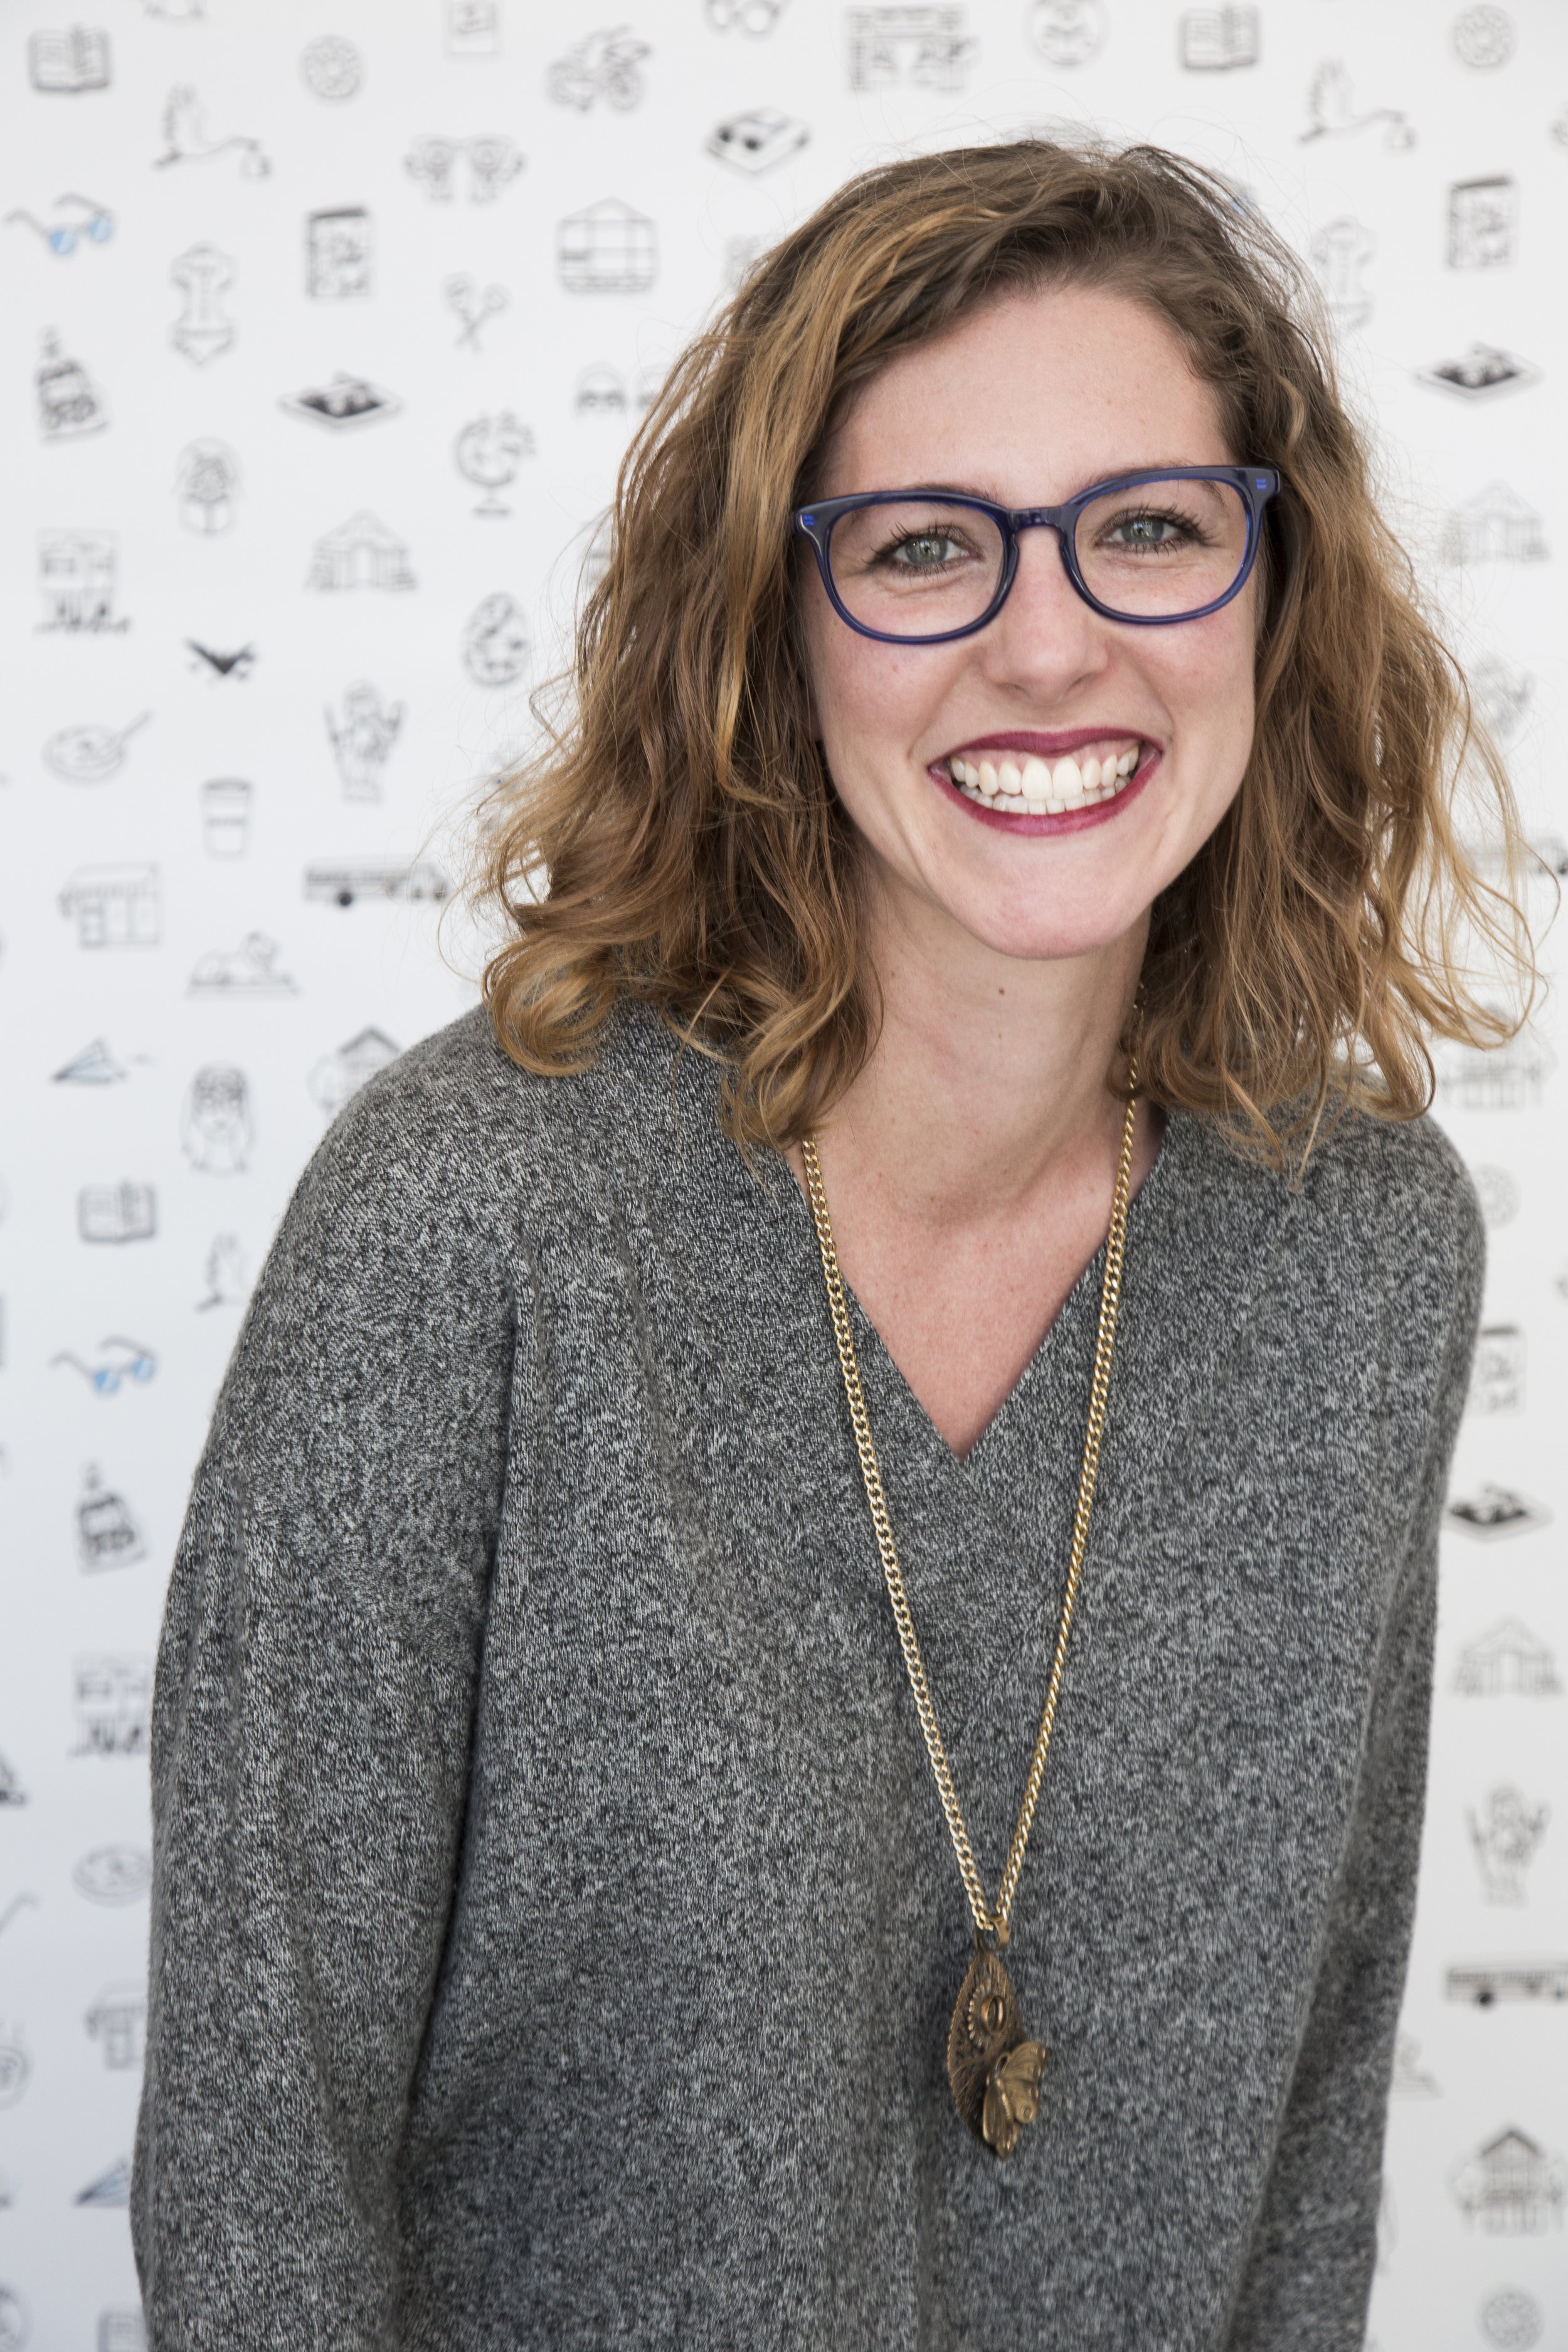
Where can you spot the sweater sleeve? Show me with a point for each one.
(1308, 2279)
(310, 1735)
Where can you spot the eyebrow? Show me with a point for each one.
(970, 491)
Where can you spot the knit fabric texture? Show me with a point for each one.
(554, 1927)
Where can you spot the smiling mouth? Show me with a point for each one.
(1024, 784)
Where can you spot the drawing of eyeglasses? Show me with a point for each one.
(119, 1360)
(61, 236)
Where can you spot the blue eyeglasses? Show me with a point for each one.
(62, 235)
(922, 567)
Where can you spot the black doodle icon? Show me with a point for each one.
(126, 1211)
(1214, 40)
(90, 755)
(361, 740)
(332, 68)
(606, 64)
(1331, 110)
(224, 664)
(95, 1065)
(1502, 696)
(1504, 1836)
(1482, 369)
(14, 2320)
(1483, 222)
(1497, 526)
(14, 1908)
(754, 141)
(474, 305)
(487, 453)
(224, 1280)
(120, 1359)
(1507, 1661)
(1484, 1986)
(106, 1534)
(70, 402)
(11, 1793)
(15, 2067)
(85, 219)
(111, 2188)
(216, 1126)
(340, 253)
(78, 579)
(337, 1075)
(121, 2331)
(1510, 2186)
(493, 162)
(185, 139)
(346, 401)
(496, 648)
(117, 2021)
(599, 391)
(1496, 1381)
(345, 881)
(1491, 1512)
(1511, 2318)
(207, 483)
(113, 1875)
(1340, 251)
(1482, 36)
(226, 803)
(248, 970)
(115, 906)
(924, 48)
(472, 29)
(1410, 2079)
(360, 553)
(1498, 1194)
(1067, 32)
(203, 330)
(69, 61)
(608, 248)
(111, 1698)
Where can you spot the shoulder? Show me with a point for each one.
(1396, 1201)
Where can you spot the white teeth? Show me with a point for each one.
(1038, 788)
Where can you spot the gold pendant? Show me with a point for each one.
(993, 2068)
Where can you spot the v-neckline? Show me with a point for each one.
(880, 1369)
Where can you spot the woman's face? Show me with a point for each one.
(1033, 398)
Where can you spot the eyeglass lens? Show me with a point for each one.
(920, 567)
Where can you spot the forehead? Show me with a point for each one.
(1029, 399)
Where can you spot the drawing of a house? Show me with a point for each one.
(337, 1075)
(1511, 2187)
(1507, 1661)
(361, 553)
(607, 248)
(114, 906)
(1494, 527)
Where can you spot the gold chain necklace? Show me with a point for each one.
(992, 2067)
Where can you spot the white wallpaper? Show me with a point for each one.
(325, 323)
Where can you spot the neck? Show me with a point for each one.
(988, 1080)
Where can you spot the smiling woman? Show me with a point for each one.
(912, 1349)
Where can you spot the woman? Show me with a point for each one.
(1027, 893)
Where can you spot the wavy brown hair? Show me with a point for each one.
(697, 855)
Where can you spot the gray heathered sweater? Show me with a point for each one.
(554, 1928)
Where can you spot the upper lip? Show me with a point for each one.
(1044, 746)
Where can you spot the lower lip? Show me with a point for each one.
(1069, 821)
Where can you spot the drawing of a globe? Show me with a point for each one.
(487, 453)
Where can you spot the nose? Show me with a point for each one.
(1046, 638)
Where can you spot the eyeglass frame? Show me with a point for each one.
(1256, 484)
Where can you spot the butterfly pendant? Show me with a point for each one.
(993, 2068)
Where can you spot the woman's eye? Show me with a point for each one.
(926, 551)
(1140, 530)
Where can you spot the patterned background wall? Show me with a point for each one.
(325, 323)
